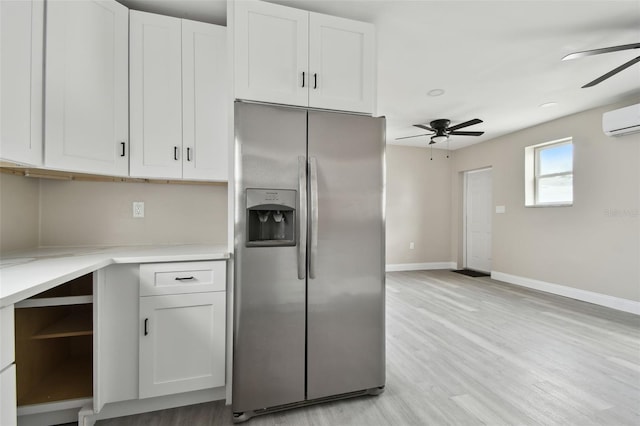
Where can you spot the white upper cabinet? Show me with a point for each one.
(178, 98)
(204, 101)
(341, 63)
(86, 100)
(290, 56)
(22, 26)
(271, 53)
(156, 95)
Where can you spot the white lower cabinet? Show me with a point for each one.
(8, 410)
(7, 338)
(181, 343)
(116, 370)
(8, 403)
(157, 339)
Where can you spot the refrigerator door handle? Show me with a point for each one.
(302, 219)
(313, 206)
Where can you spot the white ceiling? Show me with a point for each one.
(496, 60)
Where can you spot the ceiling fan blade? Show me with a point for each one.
(612, 72)
(424, 127)
(463, 133)
(465, 124)
(584, 53)
(409, 137)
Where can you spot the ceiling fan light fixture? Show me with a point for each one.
(439, 138)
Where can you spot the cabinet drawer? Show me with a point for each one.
(7, 337)
(182, 277)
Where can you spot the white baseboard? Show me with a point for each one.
(420, 266)
(617, 303)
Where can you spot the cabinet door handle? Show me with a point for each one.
(188, 154)
(175, 153)
(146, 326)
(315, 80)
(302, 78)
(123, 144)
(185, 278)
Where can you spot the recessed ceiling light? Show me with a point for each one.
(435, 92)
(549, 105)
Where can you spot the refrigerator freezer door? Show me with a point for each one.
(269, 297)
(345, 295)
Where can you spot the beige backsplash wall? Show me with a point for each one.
(418, 205)
(100, 213)
(19, 212)
(593, 245)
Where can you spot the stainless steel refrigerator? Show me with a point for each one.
(309, 257)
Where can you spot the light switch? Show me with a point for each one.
(501, 209)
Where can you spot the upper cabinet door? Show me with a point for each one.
(204, 101)
(22, 53)
(341, 64)
(86, 103)
(156, 96)
(271, 55)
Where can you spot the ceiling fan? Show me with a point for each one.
(442, 131)
(614, 71)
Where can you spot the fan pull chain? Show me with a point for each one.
(431, 147)
(447, 148)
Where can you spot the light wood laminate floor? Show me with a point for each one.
(472, 351)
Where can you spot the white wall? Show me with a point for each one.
(418, 205)
(42, 212)
(593, 245)
(100, 213)
(19, 212)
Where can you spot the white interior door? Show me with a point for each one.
(478, 215)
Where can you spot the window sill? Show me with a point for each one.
(549, 205)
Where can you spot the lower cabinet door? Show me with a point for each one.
(182, 343)
(8, 408)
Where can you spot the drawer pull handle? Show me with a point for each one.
(184, 278)
(146, 326)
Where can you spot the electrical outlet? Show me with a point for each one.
(138, 209)
(411, 245)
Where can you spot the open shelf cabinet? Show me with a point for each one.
(54, 344)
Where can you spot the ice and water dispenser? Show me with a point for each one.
(271, 217)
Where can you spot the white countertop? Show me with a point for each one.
(27, 273)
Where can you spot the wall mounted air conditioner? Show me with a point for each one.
(621, 121)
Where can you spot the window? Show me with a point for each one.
(549, 173)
